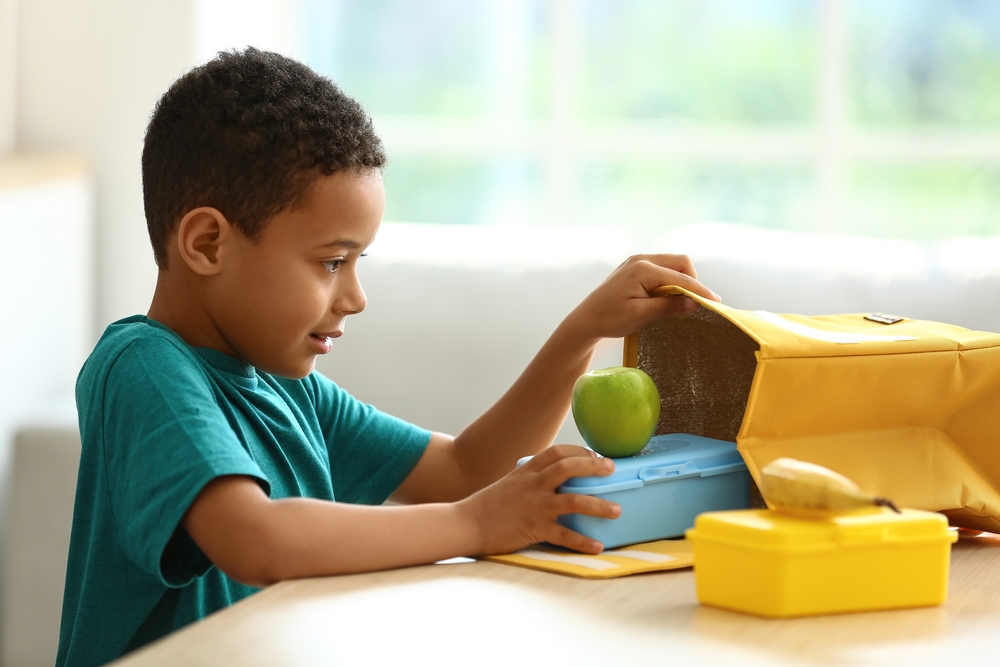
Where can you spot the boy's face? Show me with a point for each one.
(282, 300)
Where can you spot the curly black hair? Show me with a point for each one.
(248, 133)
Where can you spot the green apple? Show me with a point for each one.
(616, 410)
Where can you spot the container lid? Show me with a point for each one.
(767, 529)
(665, 458)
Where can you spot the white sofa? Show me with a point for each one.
(455, 313)
(40, 503)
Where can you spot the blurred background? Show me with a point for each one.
(863, 117)
(878, 119)
(533, 144)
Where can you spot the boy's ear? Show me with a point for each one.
(199, 236)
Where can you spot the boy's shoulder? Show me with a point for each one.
(137, 330)
(138, 347)
(150, 345)
(127, 331)
(138, 356)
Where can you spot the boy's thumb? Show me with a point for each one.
(677, 304)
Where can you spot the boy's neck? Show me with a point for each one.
(176, 304)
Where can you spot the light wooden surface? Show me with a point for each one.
(483, 613)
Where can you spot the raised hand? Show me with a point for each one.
(622, 305)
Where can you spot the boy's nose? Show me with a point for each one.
(360, 301)
(352, 299)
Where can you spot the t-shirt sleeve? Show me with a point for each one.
(371, 452)
(164, 439)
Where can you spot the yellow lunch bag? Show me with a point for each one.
(908, 409)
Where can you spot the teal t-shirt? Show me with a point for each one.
(159, 419)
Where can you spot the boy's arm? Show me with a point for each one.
(258, 541)
(528, 416)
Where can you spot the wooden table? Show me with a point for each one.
(480, 613)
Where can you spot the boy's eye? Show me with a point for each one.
(332, 265)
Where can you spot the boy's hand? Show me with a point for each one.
(621, 304)
(521, 508)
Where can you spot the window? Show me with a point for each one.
(879, 118)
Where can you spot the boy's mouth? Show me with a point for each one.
(327, 334)
(323, 342)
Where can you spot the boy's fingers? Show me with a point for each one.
(676, 304)
(559, 471)
(666, 304)
(679, 263)
(550, 455)
(578, 503)
(658, 276)
(681, 305)
(564, 537)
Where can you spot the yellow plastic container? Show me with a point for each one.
(770, 564)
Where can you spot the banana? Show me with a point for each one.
(798, 487)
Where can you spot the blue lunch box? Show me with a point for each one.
(662, 489)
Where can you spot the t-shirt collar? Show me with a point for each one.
(221, 361)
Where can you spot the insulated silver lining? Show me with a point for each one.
(703, 366)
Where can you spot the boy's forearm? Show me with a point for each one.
(381, 537)
(260, 541)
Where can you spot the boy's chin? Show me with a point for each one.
(302, 373)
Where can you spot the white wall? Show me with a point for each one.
(88, 75)
(8, 73)
(46, 308)
(235, 24)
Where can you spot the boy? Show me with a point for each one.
(215, 460)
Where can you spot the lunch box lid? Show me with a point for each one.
(666, 458)
(773, 530)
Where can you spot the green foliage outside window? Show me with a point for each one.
(630, 69)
